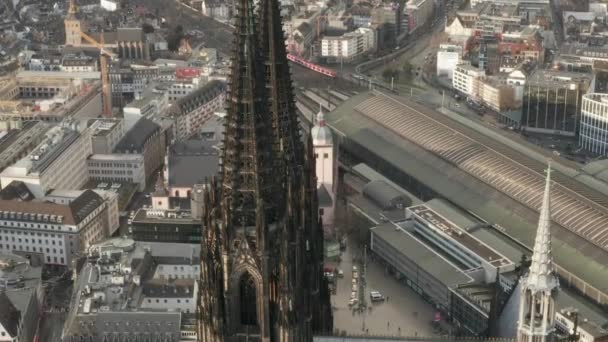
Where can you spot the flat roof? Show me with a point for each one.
(427, 259)
(571, 252)
(164, 216)
(446, 227)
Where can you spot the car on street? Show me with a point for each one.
(340, 273)
(352, 301)
(354, 287)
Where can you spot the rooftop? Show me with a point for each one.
(167, 216)
(41, 211)
(137, 136)
(102, 127)
(120, 279)
(460, 235)
(448, 157)
(58, 139)
(427, 259)
(192, 161)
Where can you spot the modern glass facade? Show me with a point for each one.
(551, 108)
(593, 134)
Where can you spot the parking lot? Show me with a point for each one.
(402, 313)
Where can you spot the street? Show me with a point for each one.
(403, 313)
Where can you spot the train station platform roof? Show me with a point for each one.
(483, 176)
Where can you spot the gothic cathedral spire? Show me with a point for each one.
(279, 84)
(539, 286)
(262, 246)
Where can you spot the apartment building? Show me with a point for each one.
(59, 162)
(350, 45)
(191, 112)
(467, 80)
(56, 232)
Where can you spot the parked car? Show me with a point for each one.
(376, 296)
(340, 273)
(352, 301)
(354, 287)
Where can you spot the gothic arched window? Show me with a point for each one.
(248, 302)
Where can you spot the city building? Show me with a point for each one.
(59, 163)
(448, 57)
(151, 103)
(540, 285)
(459, 29)
(109, 5)
(51, 96)
(118, 168)
(552, 102)
(497, 94)
(147, 139)
(190, 162)
(263, 146)
(21, 298)
(135, 290)
(110, 198)
(105, 135)
(419, 13)
(56, 232)
(348, 46)
(191, 112)
(165, 225)
(467, 79)
(18, 142)
(593, 132)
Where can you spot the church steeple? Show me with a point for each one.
(539, 286)
(279, 84)
(261, 251)
(249, 151)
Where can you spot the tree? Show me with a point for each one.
(147, 28)
(175, 37)
(407, 69)
(387, 74)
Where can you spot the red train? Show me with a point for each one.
(312, 66)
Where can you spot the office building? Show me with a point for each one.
(467, 79)
(56, 232)
(105, 135)
(165, 225)
(118, 168)
(59, 162)
(448, 57)
(552, 102)
(17, 143)
(147, 139)
(21, 298)
(593, 132)
(135, 290)
(349, 45)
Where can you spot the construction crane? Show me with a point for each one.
(104, 54)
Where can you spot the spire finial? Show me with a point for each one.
(541, 274)
(72, 8)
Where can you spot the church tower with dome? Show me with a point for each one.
(326, 167)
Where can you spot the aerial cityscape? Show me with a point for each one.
(299, 171)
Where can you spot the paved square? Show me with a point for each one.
(404, 312)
